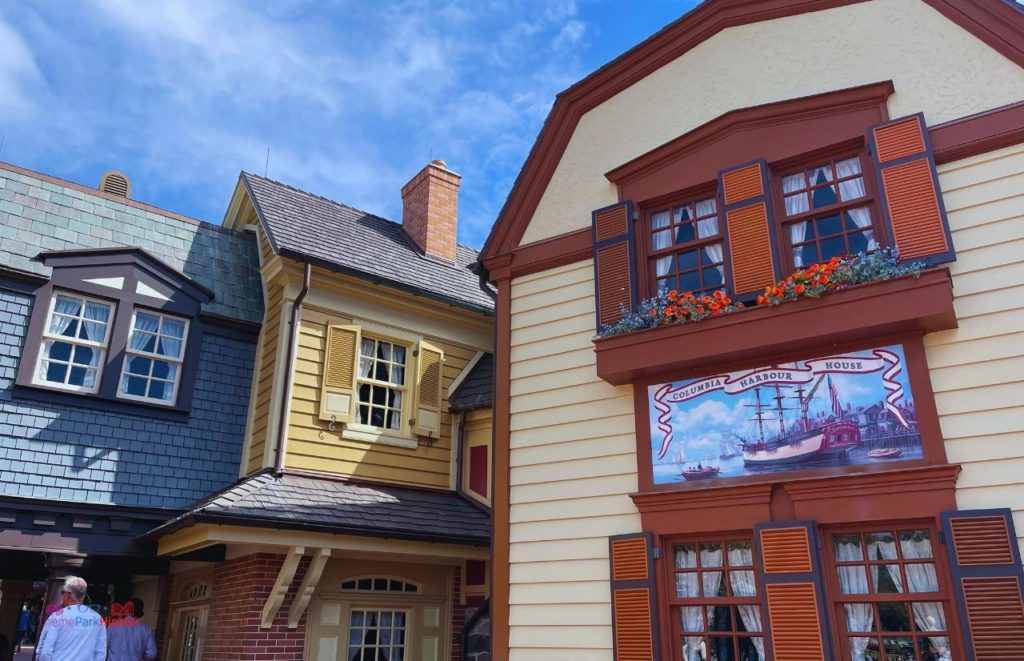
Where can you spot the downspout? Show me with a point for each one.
(458, 453)
(293, 336)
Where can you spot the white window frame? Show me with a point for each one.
(405, 388)
(129, 352)
(407, 642)
(103, 346)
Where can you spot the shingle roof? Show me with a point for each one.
(477, 390)
(306, 226)
(304, 502)
(39, 213)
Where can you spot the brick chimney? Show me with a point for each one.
(430, 205)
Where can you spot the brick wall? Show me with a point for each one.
(240, 590)
(430, 208)
(72, 453)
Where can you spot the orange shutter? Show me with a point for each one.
(634, 606)
(752, 263)
(614, 267)
(794, 597)
(910, 194)
(988, 580)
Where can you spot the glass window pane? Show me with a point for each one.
(59, 350)
(718, 618)
(77, 376)
(887, 579)
(662, 265)
(160, 390)
(139, 365)
(713, 278)
(666, 284)
(713, 584)
(659, 220)
(169, 347)
(685, 233)
(794, 182)
(707, 227)
(751, 649)
(686, 556)
(711, 554)
(929, 616)
(821, 174)
(134, 385)
(722, 649)
(740, 554)
(688, 260)
(711, 254)
(691, 618)
(398, 355)
(829, 225)
(921, 577)
(686, 585)
(853, 579)
(915, 544)
(848, 167)
(85, 355)
(689, 281)
(859, 617)
(384, 352)
(684, 213)
(162, 369)
(834, 247)
(862, 242)
(56, 372)
(173, 328)
(893, 616)
(881, 546)
(899, 649)
(864, 648)
(847, 548)
(823, 197)
(797, 204)
(741, 583)
(748, 618)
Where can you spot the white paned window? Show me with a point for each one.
(381, 383)
(153, 357)
(74, 343)
(376, 635)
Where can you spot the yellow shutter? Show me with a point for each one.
(429, 363)
(341, 362)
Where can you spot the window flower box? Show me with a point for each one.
(877, 309)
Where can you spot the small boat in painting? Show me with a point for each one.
(700, 472)
(885, 453)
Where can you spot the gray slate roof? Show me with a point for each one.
(301, 225)
(39, 213)
(477, 390)
(304, 502)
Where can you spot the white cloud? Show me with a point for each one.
(20, 77)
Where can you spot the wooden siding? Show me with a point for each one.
(264, 377)
(977, 369)
(424, 466)
(573, 460)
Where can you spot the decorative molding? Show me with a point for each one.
(308, 586)
(281, 584)
(978, 134)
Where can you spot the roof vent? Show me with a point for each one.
(115, 183)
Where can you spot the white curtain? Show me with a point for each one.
(797, 233)
(714, 253)
(68, 308)
(795, 204)
(929, 616)
(850, 189)
(742, 583)
(148, 324)
(853, 580)
(708, 226)
(661, 240)
(365, 358)
(95, 323)
(862, 219)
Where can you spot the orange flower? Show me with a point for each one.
(672, 295)
(652, 312)
(679, 313)
(715, 308)
(670, 310)
(761, 300)
(799, 289)
(700, 309)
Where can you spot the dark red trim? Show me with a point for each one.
(977, 134)
(996, 22)
(500, 464)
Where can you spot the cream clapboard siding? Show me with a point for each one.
(573, 460)
(977, 370)
(425, 466)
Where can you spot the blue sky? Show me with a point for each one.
(352, 98)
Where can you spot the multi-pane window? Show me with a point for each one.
(685, 249)
(381, 383)
(153, 357)
(890, 605)
(376, 635)
(827, 211)
(716, 607)
(74, 343)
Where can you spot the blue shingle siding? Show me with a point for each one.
(74, 454)
(36, 216)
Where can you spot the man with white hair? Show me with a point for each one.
(75, 632)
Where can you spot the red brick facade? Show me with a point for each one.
(240, 590)
(430, 208)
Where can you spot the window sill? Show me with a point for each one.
(372, 435)
(903, 305)
(97, 402)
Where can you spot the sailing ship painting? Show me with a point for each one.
(849, 409)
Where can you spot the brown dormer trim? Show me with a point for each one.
(998, 23)
(772, 131)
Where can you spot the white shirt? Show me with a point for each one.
(130, 639)
(74, 633)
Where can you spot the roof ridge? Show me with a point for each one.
(343, 204)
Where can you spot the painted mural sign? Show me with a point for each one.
(848, 409)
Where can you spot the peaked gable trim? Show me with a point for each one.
(998, 23)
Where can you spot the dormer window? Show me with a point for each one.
(114, 324)
(74, 343)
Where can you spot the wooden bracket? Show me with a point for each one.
(280, 589)
(308, 586)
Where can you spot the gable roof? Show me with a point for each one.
(308, 227)
(998, 23)
(333, 505)
(40, 213)
(477, 390)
